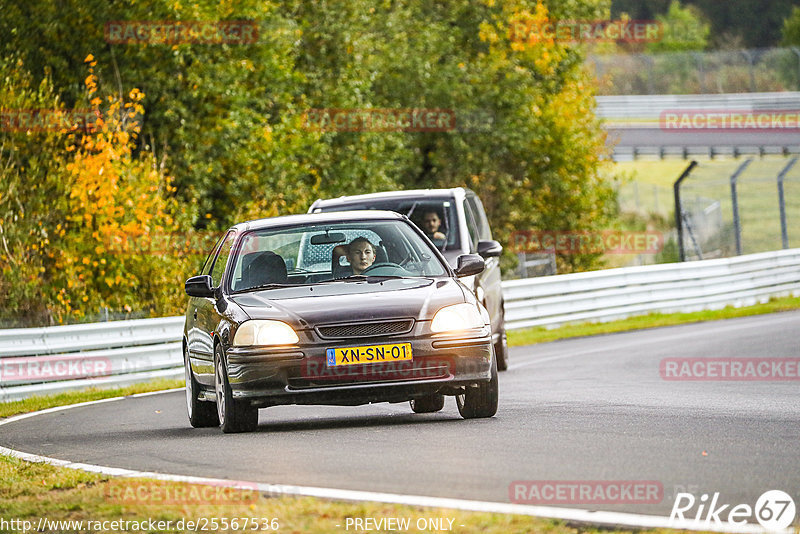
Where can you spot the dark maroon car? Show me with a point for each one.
(277, 316)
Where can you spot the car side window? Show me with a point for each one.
(222, 259)
(472, 228)
(484, 232)
(210, 258)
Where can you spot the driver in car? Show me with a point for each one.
(360, 252)
(431, 224)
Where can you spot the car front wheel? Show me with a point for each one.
(234, 416)
(201, 414)
(480, 400)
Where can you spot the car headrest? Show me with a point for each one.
(261, 268)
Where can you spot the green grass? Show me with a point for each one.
(647, 188)
(531, 336)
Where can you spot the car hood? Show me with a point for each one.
(344, 302)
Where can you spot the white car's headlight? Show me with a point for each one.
(264, 332)
(457, 317)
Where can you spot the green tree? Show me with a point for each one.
(225, 125)
(684, 29)
(790, 33)
(30, 186)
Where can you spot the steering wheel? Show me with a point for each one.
(381, 264)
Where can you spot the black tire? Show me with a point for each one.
(202, 414)
(234, 416)
(480, 401)
(428, 404)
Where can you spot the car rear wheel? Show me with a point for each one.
(428, 404)
(234, 416)
(481, 400)
(201, 414)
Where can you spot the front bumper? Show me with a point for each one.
(441, 363)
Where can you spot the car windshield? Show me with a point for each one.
(436, 217)
(329, 253)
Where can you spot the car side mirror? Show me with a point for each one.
(199, 286)
(489, 249)
(469, 264)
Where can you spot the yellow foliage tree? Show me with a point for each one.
(123, 243)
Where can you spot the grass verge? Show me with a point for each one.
(530, 336)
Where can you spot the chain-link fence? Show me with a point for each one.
(740, 207)
(739, 71)
(645, 198)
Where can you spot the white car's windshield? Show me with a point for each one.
(436, 217)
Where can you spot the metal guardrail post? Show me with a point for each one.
(751, 64)
(782, 202)
(737, 226)
(701, 75)
(679, 209)
(796, 50)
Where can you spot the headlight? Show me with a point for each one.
(264, 333)
(457, 317)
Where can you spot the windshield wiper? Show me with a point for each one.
(351, 278)
(364, 278)
(264, 287)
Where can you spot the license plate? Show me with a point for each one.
(369, 354)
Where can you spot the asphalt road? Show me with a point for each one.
(583, 409)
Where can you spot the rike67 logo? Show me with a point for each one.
(774, 510)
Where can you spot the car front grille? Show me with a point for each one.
(371, 329)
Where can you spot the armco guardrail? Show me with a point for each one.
(619, 293)
(651, 106)
(62, 358)
(39, 361)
